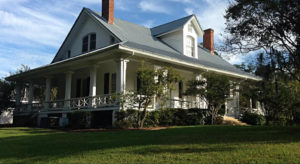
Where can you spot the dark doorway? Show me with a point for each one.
(102, 119)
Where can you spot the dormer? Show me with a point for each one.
(182, 35)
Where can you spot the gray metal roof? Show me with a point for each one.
(142, 38)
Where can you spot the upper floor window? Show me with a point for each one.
(190, 46)
(89, 43)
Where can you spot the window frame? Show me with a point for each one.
(190, 49)
(88, 44)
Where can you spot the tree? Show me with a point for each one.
(269, 25)
(152, 83)
(6, 94)
(279, 93)
(212, 88)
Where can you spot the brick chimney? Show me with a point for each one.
(208, 40)
(108, 10)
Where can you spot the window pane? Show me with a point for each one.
(106, 83)
(113, 82)
(190, 47)
(85, 44)
(93, 42)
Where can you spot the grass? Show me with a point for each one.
(194, 144)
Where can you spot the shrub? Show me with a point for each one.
(123, 124)
(219, 120)
(80, 119)
(253, 118)
(166, 117)
(152, 119)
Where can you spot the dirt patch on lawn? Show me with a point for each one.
(233, 121)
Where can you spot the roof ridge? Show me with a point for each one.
(173, 21)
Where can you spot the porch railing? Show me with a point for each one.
(99, 101)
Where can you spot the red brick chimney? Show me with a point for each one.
(108, 10)
(208, 40)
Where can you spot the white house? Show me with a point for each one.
(101, 54)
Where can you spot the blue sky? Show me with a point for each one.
(31, 31)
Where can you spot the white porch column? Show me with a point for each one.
(121, 75)
(30, 96)
(93, 84)
(93, 81)
(47, 92)
(68, 89)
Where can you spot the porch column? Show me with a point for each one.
(18, 95)
(30, 96)
(93, 84)
(47, 92)
(121, 75)
(68, 89)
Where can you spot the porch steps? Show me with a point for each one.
(232, 121)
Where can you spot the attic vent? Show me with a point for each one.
(112, 40)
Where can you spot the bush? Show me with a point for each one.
(280, 120)
(166, 117)
(80, 119)
(253, 118)
(152, 119)
(123, 124)
(219, 120)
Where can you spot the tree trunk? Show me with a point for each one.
(144, 115)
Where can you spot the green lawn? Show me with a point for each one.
(194, 144)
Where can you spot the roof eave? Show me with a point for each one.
(198, 66)
(15, 77)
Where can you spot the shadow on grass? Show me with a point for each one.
(47, 145)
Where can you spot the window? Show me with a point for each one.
(113, 82)
(78, 88)
(69, 54)
(112, 40)
(190, 46)
(85, 44)
(92, 42)
(106, 83)
(180, 89)
(89, 43)
(138, 84)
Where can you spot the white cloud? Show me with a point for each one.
(154, 6)
(148, 23)
(210, 15)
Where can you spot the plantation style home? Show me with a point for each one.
(100, 56)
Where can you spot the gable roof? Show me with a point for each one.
(141, 38)
(171, 26)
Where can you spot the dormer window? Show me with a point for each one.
(89, 43)
(190, 46)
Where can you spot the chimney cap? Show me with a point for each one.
(209, 29)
